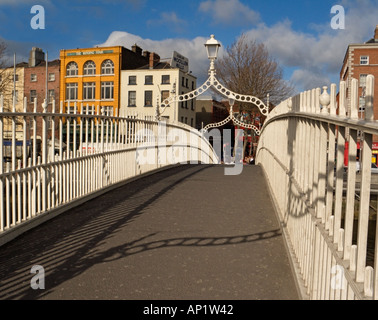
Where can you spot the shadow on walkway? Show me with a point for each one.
(67, 246)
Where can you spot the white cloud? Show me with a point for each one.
(229, 12)
(314, 58)
(193, 49)
(170, 20)
(318, 56)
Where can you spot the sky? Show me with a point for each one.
(298, 34)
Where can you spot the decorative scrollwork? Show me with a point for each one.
(213, 82)
(241, 98)
(219, 124)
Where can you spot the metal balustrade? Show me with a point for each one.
(326, 216)
(53, 161)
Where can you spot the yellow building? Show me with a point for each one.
(91, 77)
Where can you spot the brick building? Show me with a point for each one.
(35, 82)
(209, 110)
(361, 60)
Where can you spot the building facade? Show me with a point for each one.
(90, 77)
(12, 86)
(143, 90)
(361, 60)
(209, 110)
(39, 78)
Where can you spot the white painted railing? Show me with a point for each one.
(55, 160)
(325, 210)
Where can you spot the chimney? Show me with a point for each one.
(136, 49)
(146, 54)
(36, 57)
(154, 59)
(376, 33)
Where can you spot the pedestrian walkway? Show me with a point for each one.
(187, 233)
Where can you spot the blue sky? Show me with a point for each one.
(297, 33)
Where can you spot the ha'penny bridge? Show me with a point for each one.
(131, 208)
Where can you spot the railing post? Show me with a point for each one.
(363, 221)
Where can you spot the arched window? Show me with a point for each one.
(107, 67)
(72, 69)
(89, 68)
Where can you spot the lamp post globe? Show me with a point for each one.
(212, 47)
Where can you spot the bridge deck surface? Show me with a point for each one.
(187, 233)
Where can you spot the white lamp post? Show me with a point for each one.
(212, 48)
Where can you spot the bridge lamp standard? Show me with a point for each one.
(212, 47)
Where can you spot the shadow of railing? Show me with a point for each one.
(73, 245)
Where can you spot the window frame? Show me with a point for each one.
(72, 69)
(148, 83)
(89, 68)
(129, 99)
(107, 85)
(33, 96)
(89, 91)
(72, 86)
(364, 58)
(145, 98)
(164, 81)
(132, 83)
(105, 67)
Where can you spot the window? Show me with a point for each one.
(165, 79)
(192, 104)
(148, 98)
(107, 67)
(183, 82)
(132, 99)
(89, 90)
(72, 69)
(51, 76)
(51, 95)
(148, 80)
(88, 110)
(33, 95)
(16, 77)
(164, 95)
(192, 122)
(71, 91)
(33, 77)
(364, 60)
(363, 80)
(182, 103)
(107, 111)
(132, 80)
(192, 85)
(107, 90)
(89, 68)
(72, 110)
(187, 83)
